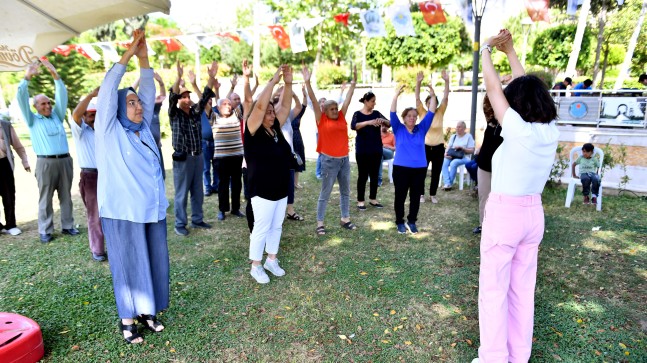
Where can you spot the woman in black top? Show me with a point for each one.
(368, 148)
(268, 171)
(491, 141)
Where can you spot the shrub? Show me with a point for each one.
(544, 76)
(330, 74)
(407, 77)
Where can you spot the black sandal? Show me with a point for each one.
(132, 328)
(321, 231)
(348, 225)
(295, 217)
(144, 319)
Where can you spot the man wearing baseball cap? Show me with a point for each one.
(83, 133)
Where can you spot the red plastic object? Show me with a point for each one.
(20, 339)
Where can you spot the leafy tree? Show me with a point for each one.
(72, 70)
(233, 54)
(162, 27)
(552, 48)
(432, 47)
(341, 43)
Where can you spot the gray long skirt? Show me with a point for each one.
(139, 263)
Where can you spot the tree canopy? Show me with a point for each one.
(433, 46)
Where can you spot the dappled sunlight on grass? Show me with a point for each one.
(588, 307)
(334, 241)
(592, 244)
(641, 272)
(381, 225)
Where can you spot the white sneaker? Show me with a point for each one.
(14, 231)
(434, 200)
(258, 273)
(422, 199)
(273, 267)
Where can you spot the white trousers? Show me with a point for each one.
(268, 225)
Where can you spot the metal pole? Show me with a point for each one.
(475, 72)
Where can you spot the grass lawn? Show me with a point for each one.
(365, 296)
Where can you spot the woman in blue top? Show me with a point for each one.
(410, 163)
(131, 195)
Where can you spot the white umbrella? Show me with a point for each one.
(30, 29)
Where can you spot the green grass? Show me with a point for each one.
(395, 297)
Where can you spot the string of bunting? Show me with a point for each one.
(292, 34)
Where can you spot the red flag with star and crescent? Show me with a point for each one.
(432, 12)
(280, 36)
(172, 45)
(63, 50)
(342, 18)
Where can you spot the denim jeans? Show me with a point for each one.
(331, 169)
(209, 165)
(449, 169)
(387, 154)
(318, 169)
(589, 179)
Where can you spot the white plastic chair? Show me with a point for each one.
(461, 172)
(570, 192)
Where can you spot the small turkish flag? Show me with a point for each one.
(63, 50)
(280, 36)
(172, 45)
(432, 12)
(342, 18)
(538, 10)
(229, 35)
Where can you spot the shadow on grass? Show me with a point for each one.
(392, 297)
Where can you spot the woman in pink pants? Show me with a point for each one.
(513, 225)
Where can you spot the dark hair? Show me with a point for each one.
(528, 95)
(642, 77)
(429, 98)
(406, 111)
(488, 111)
(588, 147)
(587, 82)
(568, 80)
(367, 96)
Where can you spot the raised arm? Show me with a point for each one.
(161, 96)
(419, 78)
(395, 121)
(180, 71)
(60, 108)
(135, 84)
(445, 77)
(507, 47)
(283, 112)
(23, 93)
(344, 108)
(194, 84)
(491, 79)
(146, 92)
(315, 104)
(79, 110)
(256, 84)
(343, 87)
(257, 114)
(234, 82)
(247, 92)
(297, 104)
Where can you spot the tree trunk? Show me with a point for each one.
(579, 34)
(602, 19)
(461, 80)
(604, 66)
(624, 69)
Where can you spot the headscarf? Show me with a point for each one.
(122, 113)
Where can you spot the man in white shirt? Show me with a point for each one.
(83, 133)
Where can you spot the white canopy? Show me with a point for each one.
(32, 28)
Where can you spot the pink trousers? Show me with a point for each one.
(512, 231)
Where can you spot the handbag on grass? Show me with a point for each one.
(453, 153)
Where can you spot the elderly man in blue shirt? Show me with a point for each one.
(54, 168)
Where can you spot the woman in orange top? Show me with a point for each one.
(333, 147)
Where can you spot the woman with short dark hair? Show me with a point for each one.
(368, 148)
(513, 226)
